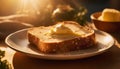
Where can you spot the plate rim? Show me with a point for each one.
(54, 57)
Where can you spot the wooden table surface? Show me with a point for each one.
(107, 60)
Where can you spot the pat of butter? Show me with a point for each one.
(110, 15)
(61, 29)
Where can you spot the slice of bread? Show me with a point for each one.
(84, 37)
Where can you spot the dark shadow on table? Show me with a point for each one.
(107, 60)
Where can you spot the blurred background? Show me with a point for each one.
(8, 7)
(40, 12)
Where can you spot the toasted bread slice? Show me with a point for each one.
(84, 37)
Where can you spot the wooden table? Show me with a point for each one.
(107, 60)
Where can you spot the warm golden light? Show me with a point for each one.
(28, 7)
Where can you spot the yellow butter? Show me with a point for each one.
(111, 15)
(61, 29)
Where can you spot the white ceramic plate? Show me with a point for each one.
(19, 42)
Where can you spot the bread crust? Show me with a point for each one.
(63, 46)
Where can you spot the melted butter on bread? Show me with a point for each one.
(61, 29)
